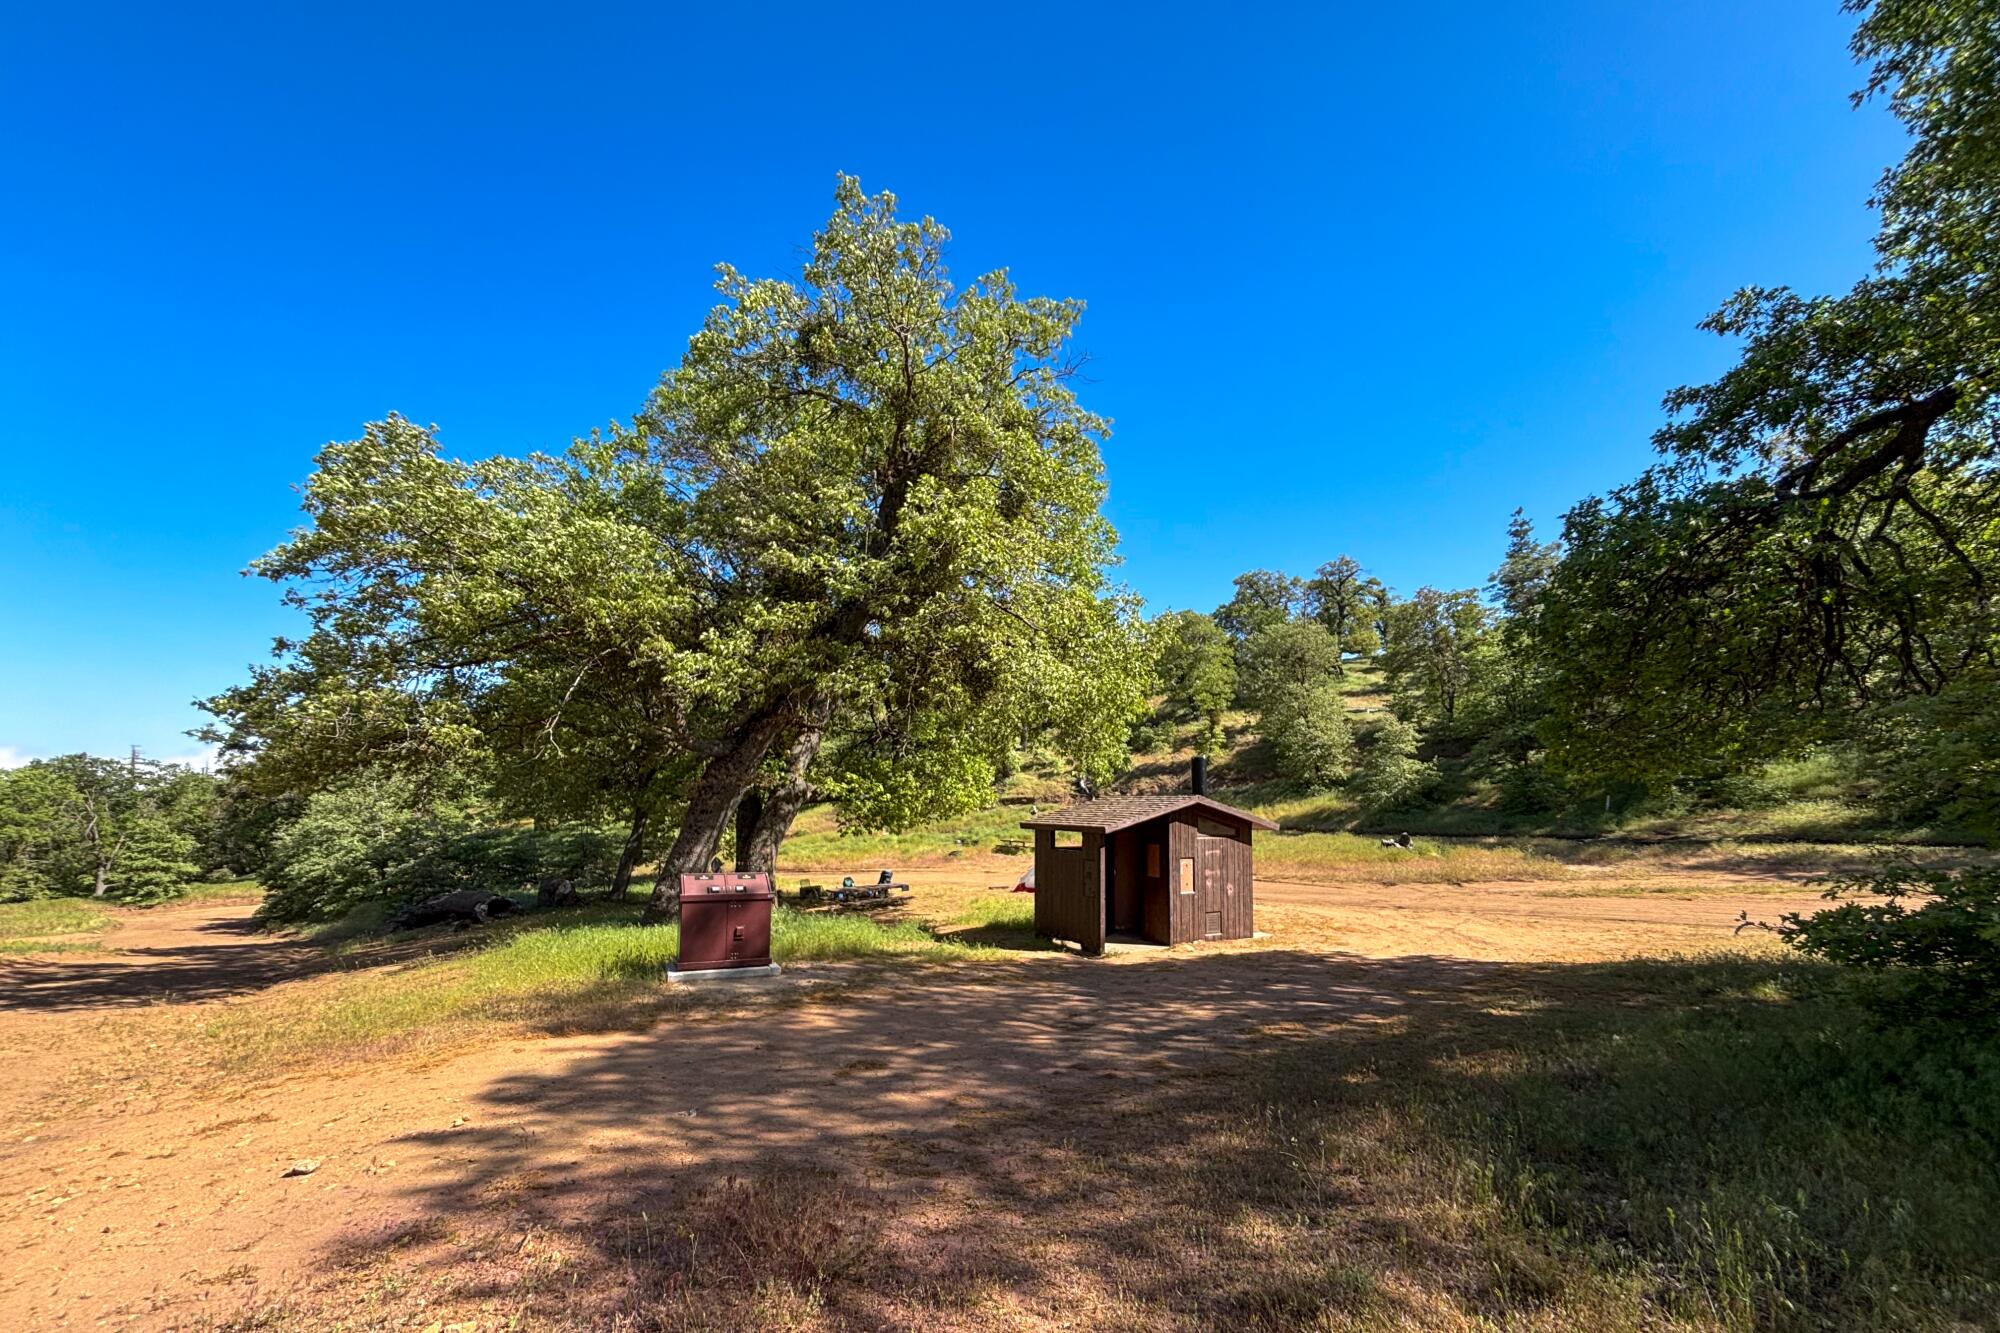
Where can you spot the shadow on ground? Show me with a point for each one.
(236, 957)
(1272, 1139)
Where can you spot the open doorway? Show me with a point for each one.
(1136, 906)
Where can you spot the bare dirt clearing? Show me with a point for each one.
(950, 1123)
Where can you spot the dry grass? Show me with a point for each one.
(1697, 1144)
(781, 1248)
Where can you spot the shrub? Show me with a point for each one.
(1152, 735)
(376, 839)
(345, 846)
(156, 863)
(1936, 758)
(1310, 740)
(1939, 958)
(1390, 773)
(1530, 789)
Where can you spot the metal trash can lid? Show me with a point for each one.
(749, 886)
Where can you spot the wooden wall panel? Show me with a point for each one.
(1069, 890)
(1238, 912)
(1184, 884)
(1070, 882)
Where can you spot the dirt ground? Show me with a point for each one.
(466, 1191)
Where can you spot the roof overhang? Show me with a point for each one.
(1114, 814)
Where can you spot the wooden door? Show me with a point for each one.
(1212, 856)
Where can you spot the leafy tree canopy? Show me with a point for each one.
(1349, 602)
(1197, 669)
(1286, 657)
(1817, 537)
(1264, 598)
(853, 540)
(1440, 650)
(130, 829)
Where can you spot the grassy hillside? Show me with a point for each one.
(1775, 814)
(1815, 799)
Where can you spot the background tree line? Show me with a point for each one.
(126, 829)
(1287, 650)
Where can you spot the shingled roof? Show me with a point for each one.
(1116, 812)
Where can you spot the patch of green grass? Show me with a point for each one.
(817, 843)
(1002, 920)
(8, 946)
(994, 909)
(1669, 887)
(220, 891)
(27, 927)
(593, 968)
(1320, 857)
(357, 927)
(811, 937)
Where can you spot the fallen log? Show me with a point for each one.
(470, 907)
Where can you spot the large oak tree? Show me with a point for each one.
(850, 547)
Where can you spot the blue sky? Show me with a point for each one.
(1359, 280)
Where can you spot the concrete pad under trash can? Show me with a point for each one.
(707, 974)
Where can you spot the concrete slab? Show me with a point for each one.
(704, 976)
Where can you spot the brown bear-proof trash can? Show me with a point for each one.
(725, 927)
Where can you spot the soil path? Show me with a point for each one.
(163, 955)
(925, 1081)
(1527, 920)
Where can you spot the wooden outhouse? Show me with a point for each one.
(1168, 869)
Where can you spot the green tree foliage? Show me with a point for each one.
(530, 619)
(1440, 652)
(156, 862)
(35, 846)
(1264, 599)
(852, 544)
(1349, 602)
(895, 495)
(1310, 740)
(129, 829)
(1283, 659)
(379, 836)
(1513, 703)
(1196, 664)
(349, 844)
(1518, 585)
(1390, 774)
(243, 821)
(1928, 945)
(1937, 756)
(1938, 64)
(1817, 539)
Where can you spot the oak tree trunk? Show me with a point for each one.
(781, 805)
(628, 856)
(749, 811)
(710, 806)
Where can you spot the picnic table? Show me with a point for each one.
(847, 893)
